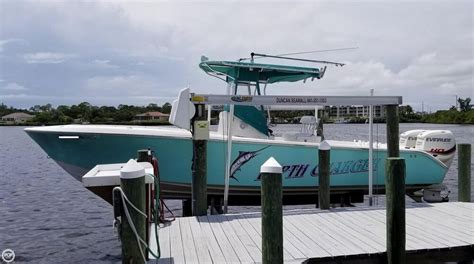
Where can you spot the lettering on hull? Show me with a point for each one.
(301, 170)
(296, 171)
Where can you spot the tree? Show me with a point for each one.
(63, 109)
(85, 111)
(464, 104)
(166, 108)
(4, 110)
(44, 117)
(406, 110)
(46, 108)
(153, 107)
(35, 108)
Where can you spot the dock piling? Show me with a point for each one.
(199, 180)
(272, 214)
(324, 195)
(132, 182)
(395, 190)
(393, 145)
(464, 172)
(142, 155)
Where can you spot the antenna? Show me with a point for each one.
(317, 51)
(252, 55)
(280, 56)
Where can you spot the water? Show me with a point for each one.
(48, 217)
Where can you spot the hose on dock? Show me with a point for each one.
(157, 195)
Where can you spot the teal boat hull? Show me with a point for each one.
(349, 165)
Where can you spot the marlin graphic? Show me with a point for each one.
(244, 157)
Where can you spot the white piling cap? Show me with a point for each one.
(271, 166)
(132, 170)
(324, 145)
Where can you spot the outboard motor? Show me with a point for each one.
(439, 143)
(408, 138)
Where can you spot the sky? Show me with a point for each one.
(141, 52)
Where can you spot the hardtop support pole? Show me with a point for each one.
(230, 119)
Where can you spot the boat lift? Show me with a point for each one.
(285, 100)
(392, 103)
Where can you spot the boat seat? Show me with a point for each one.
(306, 134)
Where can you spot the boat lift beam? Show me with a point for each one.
(392, 103)
(294, 100)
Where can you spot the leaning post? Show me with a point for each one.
(272, 214)
(132, 182)
(393, 147)
(324, 195)
(199, 184)
(464, 172)
(395, 190)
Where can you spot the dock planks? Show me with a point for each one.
(313, 234)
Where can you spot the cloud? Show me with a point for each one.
(119, 84)
(5, 42)
(104, 64)
(132, 50)
(47, 57)
(13, 87)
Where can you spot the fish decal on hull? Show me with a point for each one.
(244, 157)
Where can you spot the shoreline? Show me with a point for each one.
(168, 124)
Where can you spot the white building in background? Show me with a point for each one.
(354, 111)
(17, 117)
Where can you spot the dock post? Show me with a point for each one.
(199, 180)
(393, 147)
(142, 155)
(324, 196)
(464, 172)
(132, 182)
(272, 214)
(395, 190)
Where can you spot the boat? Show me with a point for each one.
(78, 148)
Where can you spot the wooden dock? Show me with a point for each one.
(347, 234)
